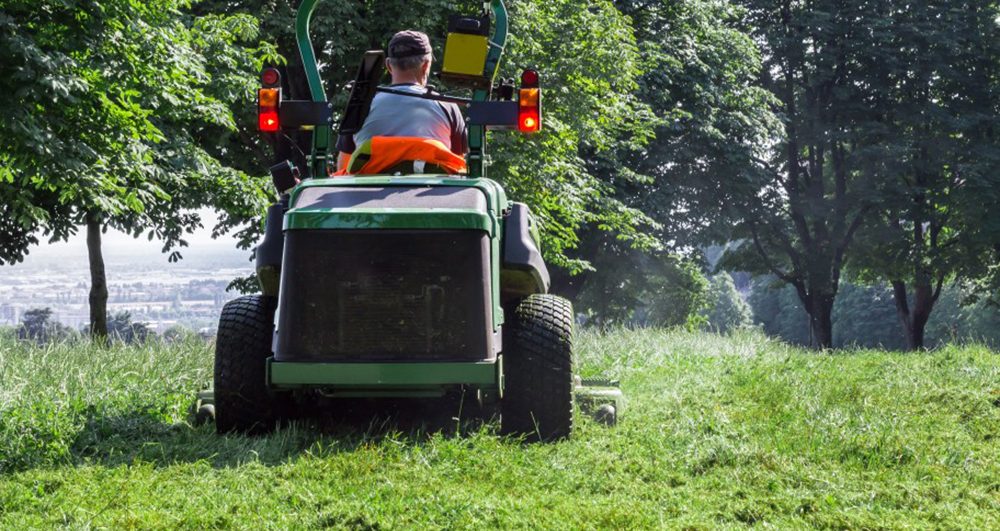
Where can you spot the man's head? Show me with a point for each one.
(409, 58)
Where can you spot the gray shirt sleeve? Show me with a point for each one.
(459, 129)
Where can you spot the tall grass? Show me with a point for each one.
(718, 432)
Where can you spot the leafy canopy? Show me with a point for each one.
(113, 108)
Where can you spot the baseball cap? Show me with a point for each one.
(409, 43)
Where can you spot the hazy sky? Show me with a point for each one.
(120, 245)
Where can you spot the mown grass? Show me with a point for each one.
(719, 432)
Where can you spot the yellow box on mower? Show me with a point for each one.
(465, 52)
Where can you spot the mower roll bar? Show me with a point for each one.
(488, 114)
(312, 115)
(429, 95)
(479, 118)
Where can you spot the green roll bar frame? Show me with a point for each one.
(323, 135)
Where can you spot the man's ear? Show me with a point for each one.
(388, 67)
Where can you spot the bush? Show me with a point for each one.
(726, 310)
(121, 329)
(180, 334)
(38, 326)
(643, 289)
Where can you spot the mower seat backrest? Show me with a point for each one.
(407, 167)
(360, 157)
(399, 156)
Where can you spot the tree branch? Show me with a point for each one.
(767, 261)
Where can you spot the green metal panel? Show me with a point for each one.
(499, 39)
(321, 134)
(383, 375)
(388, 218)
(476, 158)
(413, 392)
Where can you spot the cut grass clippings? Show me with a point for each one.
(719, 432)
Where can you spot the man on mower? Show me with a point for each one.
(398, 122)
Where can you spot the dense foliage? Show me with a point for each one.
(935, 83)
(866, 316)
(812, 139)
(113, 110)
(642, 288)
(726, 310)
(711, 121)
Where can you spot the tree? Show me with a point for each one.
(938, 109)
(640, 288)
(777, 309)
(798, 213)
(699, 71)
(37, 325)
(726, 310)
(113, 107)
(700, 80)
(865, 316)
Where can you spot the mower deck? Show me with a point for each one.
(600, 398)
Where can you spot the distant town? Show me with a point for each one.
(161, 295)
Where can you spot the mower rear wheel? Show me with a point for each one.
(243, 402)
(538, 369)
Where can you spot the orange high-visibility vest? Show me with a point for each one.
(388, 151)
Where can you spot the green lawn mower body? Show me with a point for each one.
(396, 285)
(401, 286)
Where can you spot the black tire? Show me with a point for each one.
(243, 402)
(538, 369)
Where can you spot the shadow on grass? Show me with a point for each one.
(146, 435)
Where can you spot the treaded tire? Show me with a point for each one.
(243, 402)
(538, 369)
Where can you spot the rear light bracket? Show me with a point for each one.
(494, 114)
(296, 114)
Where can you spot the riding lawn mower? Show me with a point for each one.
(403, 284)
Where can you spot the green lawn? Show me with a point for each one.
(719, 432)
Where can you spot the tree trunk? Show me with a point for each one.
(821, 321)
(98, 281)
(914, 319)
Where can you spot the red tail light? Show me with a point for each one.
(267, 121)
(529, 99)
(528, 120)
(270, 77)
(529, 78)
(268, 101)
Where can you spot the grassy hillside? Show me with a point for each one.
(720, 432)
